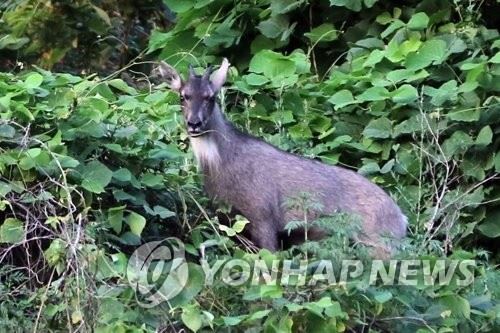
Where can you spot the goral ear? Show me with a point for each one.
(219, 76)
(170, 75)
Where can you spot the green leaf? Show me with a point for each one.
(485, 136)
(341, 99)
(274, 26)
(255, 79)
(180, 6)
(192, 318)
(383, 296)
(129, 238)
(405, 75)
(411, 125)
(395, 25)
(7, 131)
(96, 176)
(12, 43)
(458, 305)
(283, 117)
(467, 115)
(166, 152)
(233, 320)
(258, 315)
(374, 58)
(162, 212)
(11, 231)
(261, 42)
(115, 218)
(491, 225)
(374, 94)
(324, 302)
(55, 253)
(431, 52)
(228, 230)
(3, 204)
(380, 128)
(408, 46)
(136, 223)
(471, 65)
(387, 166)
(301, 60)
(369, 3)
(158, 39)
(152, 180)
(459, 142)
(468, 86)
(284, 6)
(418, 21)
(35, 157)
(102, 14)
(272, 64)
(335, 311)
(33, 81)
(121, 85)
(300, 131)
(24, 113)
(194, 285)
(66, 161)
(354, 5)
(5, 188)
(495, 59)
(123, 175)
(384, 18)
(325, 32)
(404, 94)
(447, 92)
(456, 45)
(240, 223)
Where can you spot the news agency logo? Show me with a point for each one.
(158, 271)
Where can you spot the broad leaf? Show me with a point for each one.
(96, 176)
(418, 21)
(341, 99)
(380, 128)
(404, 94)
(136, 223)
(11, 231)
(323, 33)
(432, 52)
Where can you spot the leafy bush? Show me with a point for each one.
(92, 168)
(77, 36)
(84, 163)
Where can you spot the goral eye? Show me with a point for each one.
(185, 97)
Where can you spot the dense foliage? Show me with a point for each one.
(91, 167)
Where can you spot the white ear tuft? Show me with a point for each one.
(219, 76)
(169, 74)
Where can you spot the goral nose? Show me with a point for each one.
(194, 126)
